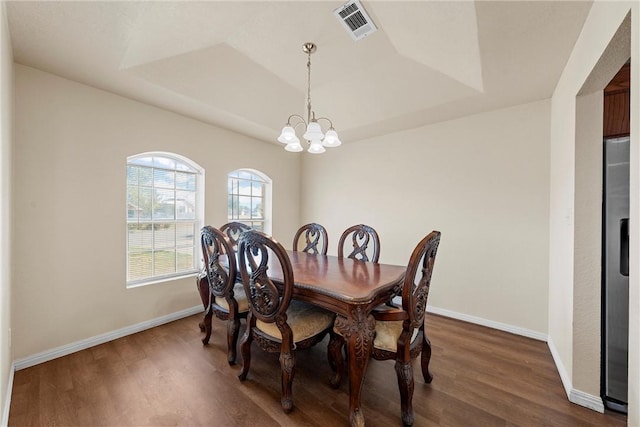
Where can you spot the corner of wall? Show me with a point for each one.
(575, 396)
(633, 416)
(562, 371)
(4, 421)
(6, 140)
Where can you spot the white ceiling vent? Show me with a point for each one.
(355, 19)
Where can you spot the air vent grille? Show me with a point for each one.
(348, 10)
(355, 19)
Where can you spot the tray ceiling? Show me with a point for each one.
(240, 64)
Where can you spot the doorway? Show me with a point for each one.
(615, 241)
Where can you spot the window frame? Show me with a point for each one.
(267, 199)
(198, 222)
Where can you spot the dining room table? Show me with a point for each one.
(351, 289)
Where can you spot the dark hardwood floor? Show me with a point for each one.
(166, 377)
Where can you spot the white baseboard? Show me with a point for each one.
(64, 350)
(4, 422)
(564, 376)
(578, 397)
(574, 396)
(587, 400)
(488, 323)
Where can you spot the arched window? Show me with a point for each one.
(165, 211)
(249, 199)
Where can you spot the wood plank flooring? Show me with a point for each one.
(166, 377)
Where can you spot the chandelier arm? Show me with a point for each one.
(327, 119)
(301, 120)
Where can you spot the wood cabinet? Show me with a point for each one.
(617, 107)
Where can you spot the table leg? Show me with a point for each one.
(358, 329)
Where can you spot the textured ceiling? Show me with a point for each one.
(240, 64)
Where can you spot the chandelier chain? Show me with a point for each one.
(309, 86)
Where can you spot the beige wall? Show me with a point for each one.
(570, 296)
(588, 241)
(481, 180)
(70, 152)
(6, 114)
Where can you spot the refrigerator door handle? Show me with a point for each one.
(624, 246)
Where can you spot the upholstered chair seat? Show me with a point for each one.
(387, 335)
(305, 320)
(240, 296)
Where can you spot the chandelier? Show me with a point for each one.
(313, 133)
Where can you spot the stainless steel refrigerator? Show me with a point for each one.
(615, 291)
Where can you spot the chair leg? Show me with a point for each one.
(336, 358)
(404, 371)
(245, 351)
(287, 365)
(233, 328)
(202, 285)
(206, 323)
(425, 358)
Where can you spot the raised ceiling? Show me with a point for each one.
(240, 65)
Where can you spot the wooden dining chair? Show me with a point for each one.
(400, 332)
(276, 322)
(234, 230)
(316, 240)
(222, 296)
(363, 238)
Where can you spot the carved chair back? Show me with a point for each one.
(234, 230)
(363, 239)
(417, 280)
(268, 301)
(220, 274)
(315, 238)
